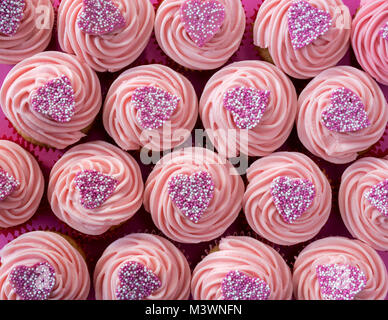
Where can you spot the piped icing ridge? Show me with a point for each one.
(71, 273)
(120, 116)
(222, 210)
(157, 254)
(66, 199)
(177, 44)
(113, 51)
(337, 147)
(276, 122)
(343, 251)
(260, 208)
(271, 31)
(23, 202)
(248, 256)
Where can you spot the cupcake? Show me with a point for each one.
(25, 28)
(21, 184)
(150, 106)
(51, 98)
(337, 268)
(341, 113)
(248, 107)
(242, 268)
(288, 198)
(200, 35)
(370, 38)
(42, 265)
(304, 52)
(193, 195)
(106, 34)
(363, 201)
(142, 266)
(94, 187)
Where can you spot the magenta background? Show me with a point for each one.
(93, 246)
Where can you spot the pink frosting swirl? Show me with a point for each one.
(32, 73)
(106, 159)
(271, 31)
(120, 117)
(33, 34)
(113, 51)
(361, 218)
(21, 204)
(333, 146)
(246, 255)
(159, 255)
(223, 208)
(72, 281)
(369, 47)
(177, 44)
(260, 210)
(276, 123)
(339, 250)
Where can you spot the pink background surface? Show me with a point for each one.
(93, 246)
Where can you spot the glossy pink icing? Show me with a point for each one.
(339, 250)
(72, 280)
(333, 146)
(120, 116)
(33, 34)
(370, 48)
(259, 206)
(246, 255)
(158, 254)
(271, 31)
(110, 52)
(107, 159)
(277, 121)
(177, 44)
(223, 208)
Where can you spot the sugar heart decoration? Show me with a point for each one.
(202, 19)
(378, 197)
(155, 106)
(100, 17)
(238, 286)
(340, 281)
(33, 283)
(306, 23)
(136, 282)
(95, 188)
(11, 15)
(55, 99)
(192, 194)
(384, 31)
(292, 197)
(247, 105)
(8, 184)
(346, 112)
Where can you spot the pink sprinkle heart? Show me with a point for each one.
(100, 17)
(55, 99)
(339, 281)
(306, 23)
(238, 286)
(384, 31)
(192, 194)
(8, 184)
(11, 15)
(155, 106)
(136, 282)
(378, 197)
(95, 188)
(346, 112)
(202, 19)
(33, 283)
(292, 197)
(247, 105)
